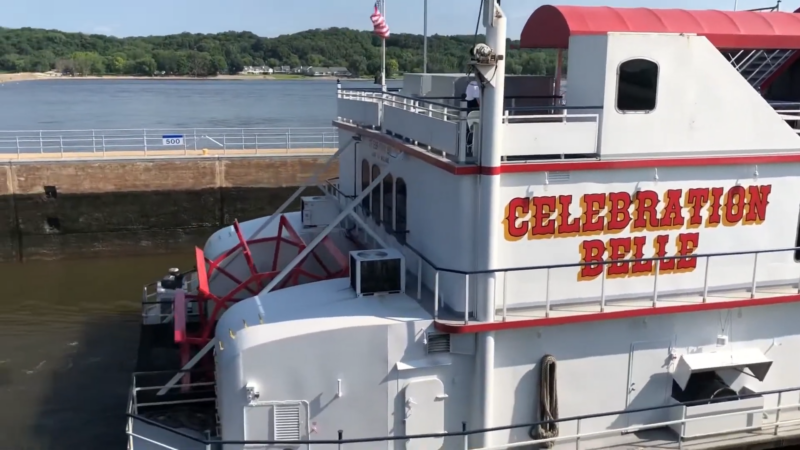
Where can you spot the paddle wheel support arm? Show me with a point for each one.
(302, 255)
(310, 182)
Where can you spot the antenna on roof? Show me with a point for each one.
(735, 5)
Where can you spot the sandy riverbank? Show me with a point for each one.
(10, 77)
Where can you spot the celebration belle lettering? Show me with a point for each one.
(607, 214)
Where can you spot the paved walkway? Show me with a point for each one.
(163, 154)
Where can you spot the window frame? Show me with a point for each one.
(617, 86)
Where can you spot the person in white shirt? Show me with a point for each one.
(473, 94)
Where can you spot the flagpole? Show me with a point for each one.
(383, 51)
(425, 39)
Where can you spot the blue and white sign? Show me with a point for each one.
(172, 139)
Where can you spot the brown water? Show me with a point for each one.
(69, 333)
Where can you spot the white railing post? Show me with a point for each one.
(144, 137)
(436, 295)
(603, 290)
(194, 137)
(755, 272)
(419, 278)
(41, 142)
(547, 294)
(578, 434)
(61, 145)
(224, 143)
(778, 414)
(94, 146)
(243, 139)
(505, 295)
(705, 280)
(18, 149)
(104, 144)
(657, 266)
(466, 299)
(288, 144)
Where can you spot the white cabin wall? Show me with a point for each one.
(777, 231)
(704, 106)
(586, 77)
(409, 361)
(440, 207)
(593, 361)
(307, 367)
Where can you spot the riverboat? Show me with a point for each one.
(618, 268)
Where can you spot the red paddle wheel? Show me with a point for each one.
(312, 268)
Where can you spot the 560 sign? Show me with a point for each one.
(172, 139)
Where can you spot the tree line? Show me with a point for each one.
(202, 55)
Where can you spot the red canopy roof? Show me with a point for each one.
(551, 26)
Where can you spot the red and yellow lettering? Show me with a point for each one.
(618, 250)
(660, 246)
(618, 216)
(696, 198)
(756, 204)
(644, 211)
(591, 221)
(566, 228)
(672, 214)
(734, 206)
(516, 225)
(714, 217)
(687, 243)
(542, 224)
(640, 267)
(591, 252)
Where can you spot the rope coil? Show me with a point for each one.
(548, 402)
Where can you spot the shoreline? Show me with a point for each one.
(28, 76)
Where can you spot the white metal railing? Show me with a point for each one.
(541, 278)
(177, 141)
(441, 128)
(791, 115)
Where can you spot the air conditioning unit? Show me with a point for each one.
(381, 271)
(318, 211)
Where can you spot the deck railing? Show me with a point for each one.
(602, 300)
(21, 143)
(445, 126)
(575, 423)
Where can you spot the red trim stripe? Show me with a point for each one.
(615, 315)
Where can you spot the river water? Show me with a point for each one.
(69, 329)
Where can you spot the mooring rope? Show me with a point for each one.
(548, 402)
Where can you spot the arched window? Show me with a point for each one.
(637, 85)
(400, 210)
(376, 195)
(388, 203)
(364, 184)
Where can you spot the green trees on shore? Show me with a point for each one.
(186, 54)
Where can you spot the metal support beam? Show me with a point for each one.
(313, 181)
(188, 366)
(322, 235)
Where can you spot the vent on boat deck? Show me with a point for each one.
(438, 343)
(557, 177)
(381, 271)
(286, 422)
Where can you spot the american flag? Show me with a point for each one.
(379, 23)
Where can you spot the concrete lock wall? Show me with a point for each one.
(83, 208)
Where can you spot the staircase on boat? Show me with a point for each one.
(758, 66)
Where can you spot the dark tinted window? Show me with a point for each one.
(637, 85)
(376, 195)
(400, 210)
(388, 203)
(364, 184)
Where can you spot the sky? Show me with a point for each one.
(271, 18)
